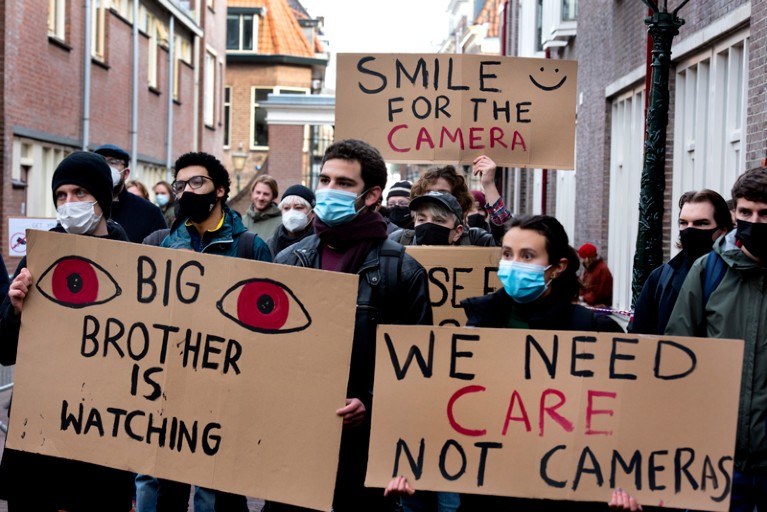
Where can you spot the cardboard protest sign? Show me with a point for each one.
(221, 372)
(452, 108)
(457, 273)
(556, 415)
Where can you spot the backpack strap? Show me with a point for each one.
(713, 274)
(391, 255)
(245, 247)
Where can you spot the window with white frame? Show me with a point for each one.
(259, 129)
(210, 89)
(569, 10)
(41, 161)
(182, 52)
(626, 161)
(242, 32)
(151, 24)
(710, 119)
(56, 18)
(227, 116)
(559, 22)
(98, 29)
(124, 8)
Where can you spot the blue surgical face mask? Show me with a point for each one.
(336, 207)
(161, 199)
(523, 282)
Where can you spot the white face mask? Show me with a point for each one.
(78, 218)
(294, 220)
(116, 176)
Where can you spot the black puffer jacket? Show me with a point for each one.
(392, 290)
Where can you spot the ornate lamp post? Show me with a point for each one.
(663, 26)
(238, 162)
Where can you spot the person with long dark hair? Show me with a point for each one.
(538, 270)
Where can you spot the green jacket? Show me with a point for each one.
(736, 309)
(265, 223)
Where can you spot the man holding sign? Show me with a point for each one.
(351, 238)
(82, 193)
(206, 224)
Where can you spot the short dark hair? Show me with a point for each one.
(458, 187)
(558, 247)
(371, 162)
(751, 185)
(722, 215)
(216, 170)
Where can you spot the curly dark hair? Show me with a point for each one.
(216, 170)
(751, 185)
(458, 187)
(558, 247)
(371, 162)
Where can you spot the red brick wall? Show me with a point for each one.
(285, 155)
(42, 90)
(599, 64)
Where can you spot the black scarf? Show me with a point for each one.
(354, 239)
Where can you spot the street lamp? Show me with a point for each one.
(663, 26)
(238, 162)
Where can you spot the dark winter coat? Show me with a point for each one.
(659, 293)
(224, 241)
(137, 216)
(41, 482)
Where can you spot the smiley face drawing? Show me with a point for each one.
(548, 87)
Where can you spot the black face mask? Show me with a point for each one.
(753, 236)
(477, 220)
(400, 215)
(432, 234)
(696, 242)
(196, 207)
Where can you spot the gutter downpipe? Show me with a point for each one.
(134, 93)
(171, 63)
(544, 172)
(87, 77)
(196, 94)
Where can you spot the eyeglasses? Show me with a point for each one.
(194, 183)
(115, 162)
(402, 202)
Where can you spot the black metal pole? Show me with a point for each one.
(663, 26)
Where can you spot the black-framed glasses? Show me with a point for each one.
(194, 183)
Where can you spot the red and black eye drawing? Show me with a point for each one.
(265, 306)
(77, 282)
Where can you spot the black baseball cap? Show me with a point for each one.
(441, 198)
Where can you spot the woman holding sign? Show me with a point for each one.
(538, 272)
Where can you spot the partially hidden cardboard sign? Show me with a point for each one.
(17, 232)
(455, 274)
(221, 372)
(452, 108)
(556, 415)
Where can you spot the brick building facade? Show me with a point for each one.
(717, 119)
(273, 48)
(63, 93)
